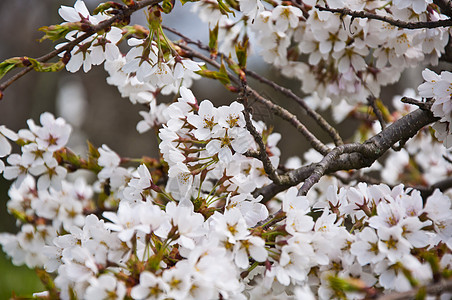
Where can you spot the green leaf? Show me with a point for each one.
(236, 68)
(106, 6)
(220, 75)
(213, 41)
(234, 4)
(15, 62)
(56, 32)
(8, 65)
(224, 8)
(137, 30)
(241, 50)
(224, 73)
(343, 285)
(421, 294)
(384, 110)
(92, 151)
(21, 216)
(185, 1)
(93, 155)
(46, 67)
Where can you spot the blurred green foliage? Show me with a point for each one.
(21, 280)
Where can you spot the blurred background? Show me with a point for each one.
(104, 118)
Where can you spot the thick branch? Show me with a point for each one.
(362, 156)
(122, 15)
(322, 166)
(394, 22)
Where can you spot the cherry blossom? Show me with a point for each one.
(205, 218)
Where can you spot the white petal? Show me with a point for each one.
(241, 259)
(5, 147)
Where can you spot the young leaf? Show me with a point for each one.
(220, 75)
(46, 67)
(106, 6)
(56, 32)
(185, 1)
(224, 8)
(213, 41)
(7, 66)
(241, 52)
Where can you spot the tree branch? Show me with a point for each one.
(278, 110)
(352, 156)
(322, 166)
(371, 100)
(442, 185)
(292, 119)
(317, 117)
(312, 113)
(122, 15)
(420, 104)
(262, 153)
(394, 22)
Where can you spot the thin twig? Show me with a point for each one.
(278, 110)
(372, 102)
(122, 14)
(292, 119)
(420, 104)
(442, 185)
(188, 40)
(402, 129)
(312, 113)
(394, 22)
(447, 159)
(318, 118)
(271, 220)
(262, 155)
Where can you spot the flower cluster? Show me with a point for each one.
(202, 139)
(389, 228)
(39, 144)
(145, 244)
(439, 87)
(144, 71)
(94, 50)
(334, 55)
(207, 219)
